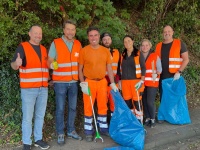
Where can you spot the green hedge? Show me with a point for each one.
(138, 18)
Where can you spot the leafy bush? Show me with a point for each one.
(16, 19)
(143, 19)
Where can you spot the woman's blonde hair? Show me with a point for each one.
(146, 40)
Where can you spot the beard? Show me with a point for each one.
(107, 45)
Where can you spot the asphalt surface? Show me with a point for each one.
(162, 134)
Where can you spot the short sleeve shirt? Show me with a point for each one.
(20, 50)
(94, 61)
(165, 49)
(52, 50)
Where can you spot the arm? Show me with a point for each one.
(18, 59)
(118, 67)
(50, 60)
(110, 73)
(80, 73)
(158, 66)
(185, 61)
(111, 77)
(17, 63)
(52, 54)
(143, 67)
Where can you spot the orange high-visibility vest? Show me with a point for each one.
(148, 81)
(67, 62)
(115, 60)
(175, 59)
(137, 65)
(36, 72)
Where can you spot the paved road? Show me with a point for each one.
(156, 139)
(186, 144)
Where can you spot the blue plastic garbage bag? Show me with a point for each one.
(173, 107)
(118, 148)
(125, 129)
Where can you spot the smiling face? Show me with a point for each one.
(146, 46)
(35, 35)
(128, 43)
(168, 34)
(69, 31)
(106, 41)
(93, 37)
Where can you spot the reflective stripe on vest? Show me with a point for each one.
(148, 81)
(67, 61)
(33, 80)
(65, 73)
(34, 70)
(151, 79)
(35, 73)
(137, 66)
(175, 59)
(115, 60)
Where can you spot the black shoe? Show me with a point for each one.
(89, 138)
(41, 144)
(153, 123)
(147, 122)
(26, 147)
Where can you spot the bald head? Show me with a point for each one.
(168, 34)
(35, 34)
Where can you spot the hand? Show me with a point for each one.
(120, 85)
(177, 76)
(114, 87)
(139, 84)
(116, 78)
(84, 87)
(54, 65)
(18, 60)
(154, 76)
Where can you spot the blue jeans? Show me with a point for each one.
(61, 91)
(34, 102)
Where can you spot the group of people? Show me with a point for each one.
(98, 68)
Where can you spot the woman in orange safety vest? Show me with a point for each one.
(151, 81)
(132, 77)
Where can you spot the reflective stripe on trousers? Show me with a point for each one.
(88, 127)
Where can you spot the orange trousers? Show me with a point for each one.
(129, 91)
(99, 93)
(110, 98)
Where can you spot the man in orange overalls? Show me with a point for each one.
(94, 60)
(106, 40)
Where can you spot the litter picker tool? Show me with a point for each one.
(98, 136)
(140, 113)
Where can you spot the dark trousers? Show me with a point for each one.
(160, 89)
(148, 99)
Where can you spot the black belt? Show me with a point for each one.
(96, 79)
